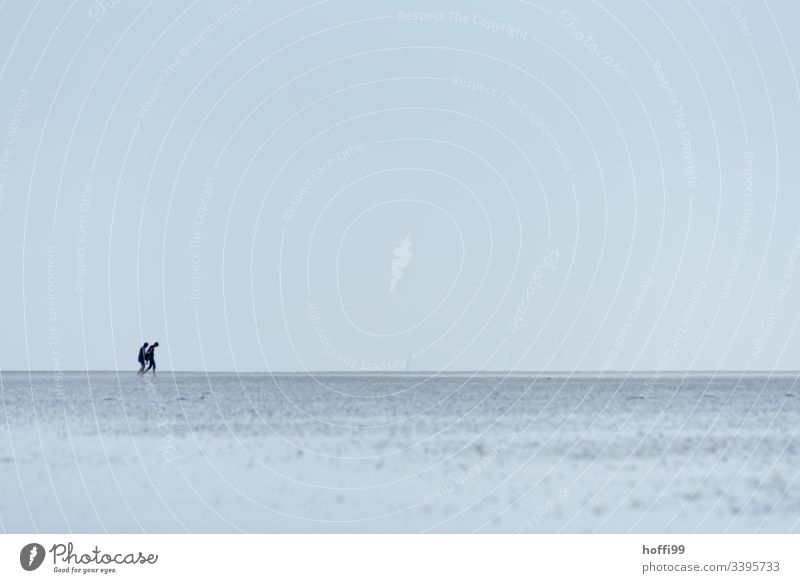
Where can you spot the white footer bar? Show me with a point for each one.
(388, 558)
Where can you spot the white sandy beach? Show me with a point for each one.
(398, 453)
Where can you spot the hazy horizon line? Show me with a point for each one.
(420, 371)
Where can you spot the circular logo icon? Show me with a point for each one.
(31, 556)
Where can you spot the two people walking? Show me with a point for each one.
(147, 357)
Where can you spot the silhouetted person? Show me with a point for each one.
(142, 356)
(150, 356)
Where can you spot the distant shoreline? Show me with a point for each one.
(516, 373)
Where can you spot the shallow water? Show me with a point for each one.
(399, 453)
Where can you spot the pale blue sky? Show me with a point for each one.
(232, 180)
